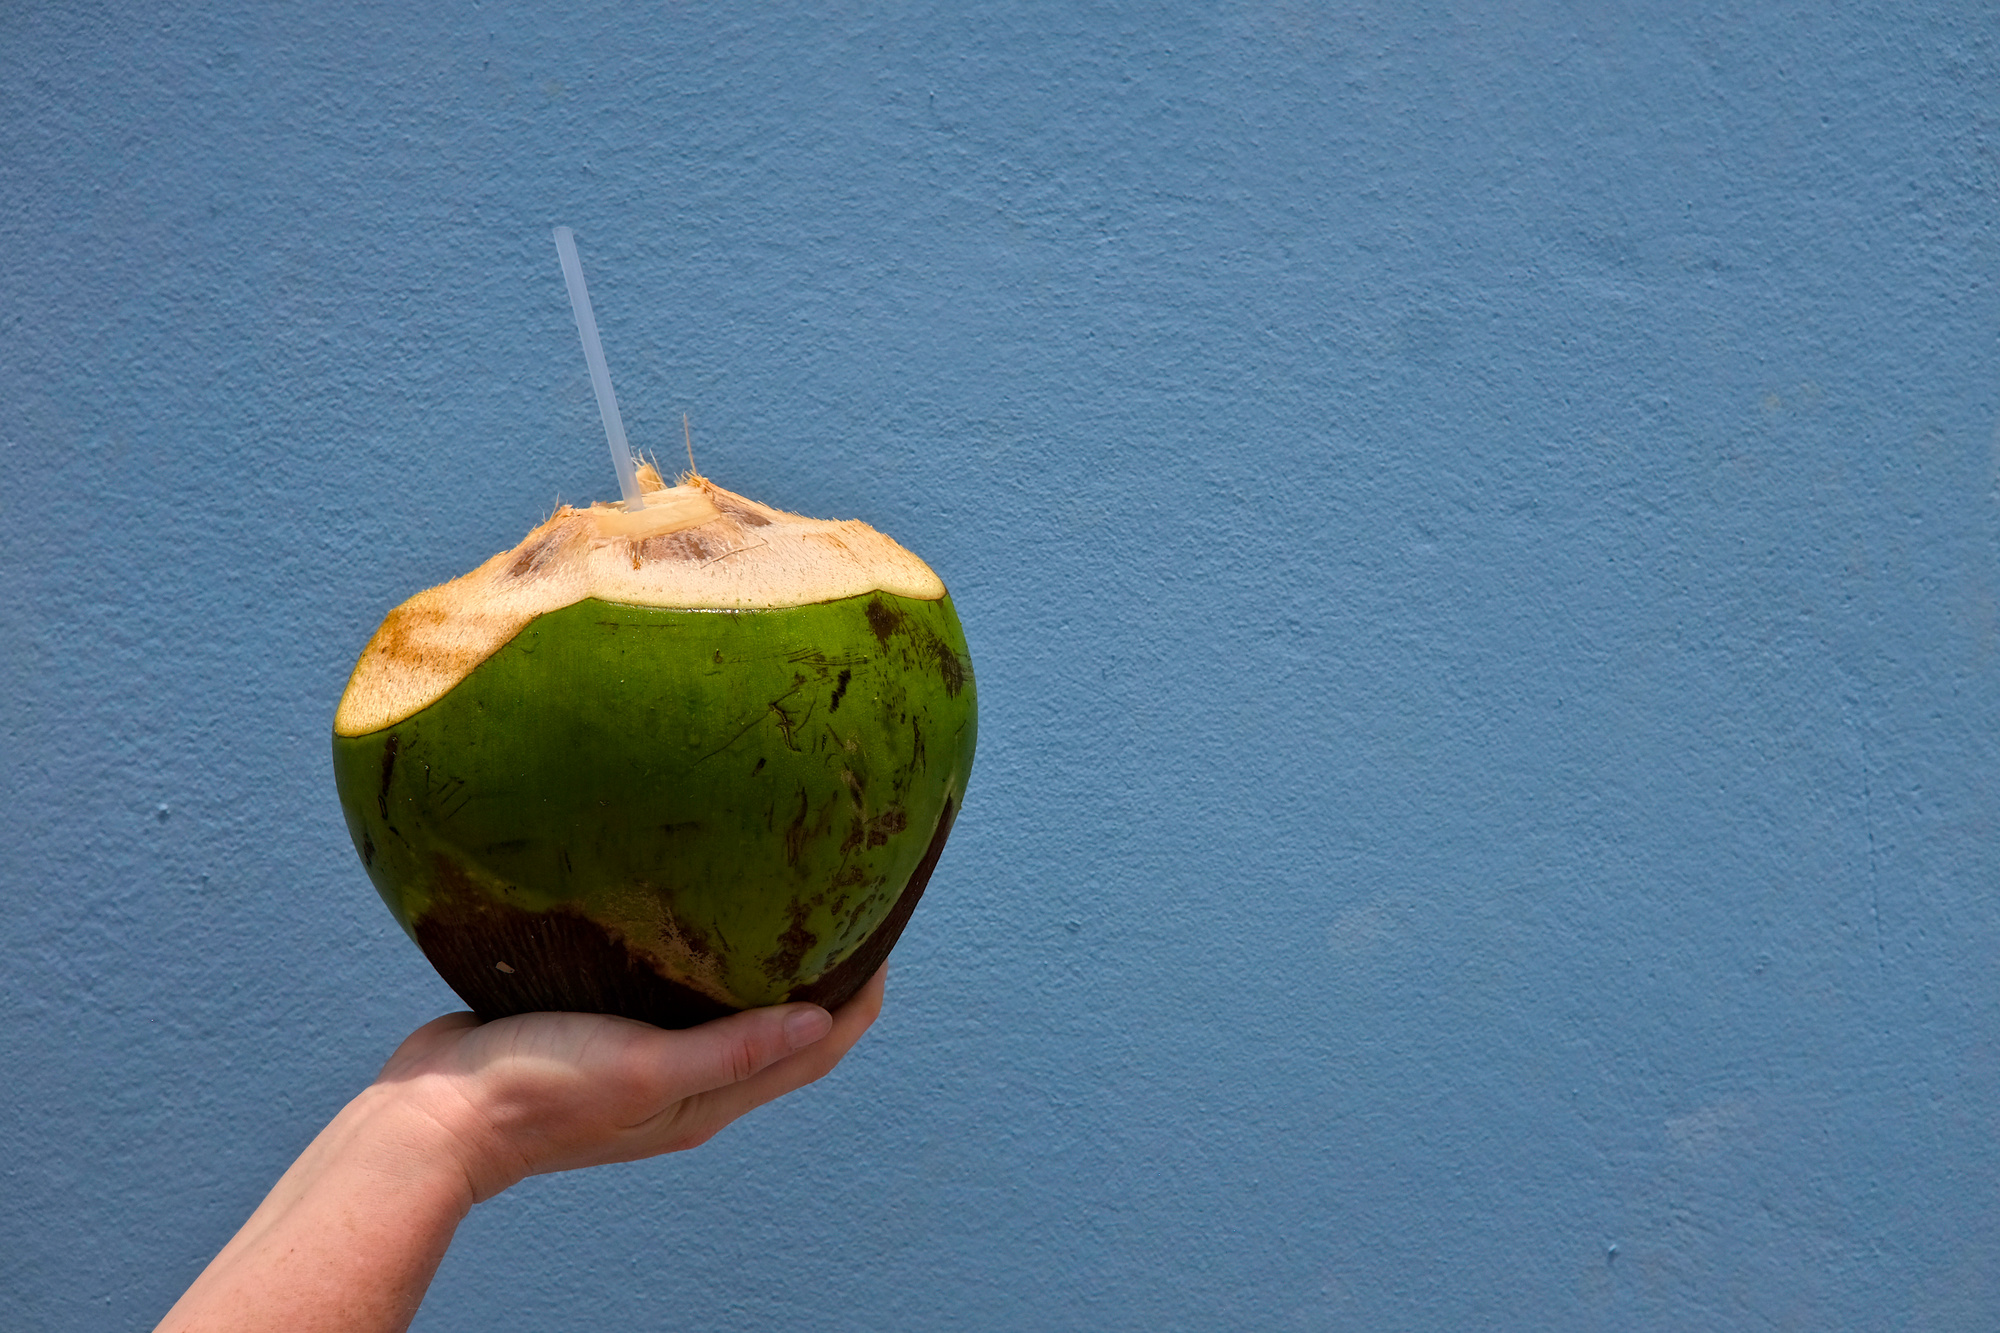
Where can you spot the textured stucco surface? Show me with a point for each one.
(1477, 527)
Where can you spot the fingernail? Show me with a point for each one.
(803, 1027)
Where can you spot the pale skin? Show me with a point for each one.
(351, 1235)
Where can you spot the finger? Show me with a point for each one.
(795, 1071)
(729, 1050)
(699, 1118)
(850, 1021)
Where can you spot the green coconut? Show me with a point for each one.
(667, 764)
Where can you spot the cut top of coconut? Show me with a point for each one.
(695, 545)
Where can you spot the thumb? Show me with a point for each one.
(729, 1050)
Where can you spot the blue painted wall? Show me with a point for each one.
(1477, 527)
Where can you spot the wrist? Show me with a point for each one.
(424, 1131)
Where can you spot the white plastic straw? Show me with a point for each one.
(600, 374)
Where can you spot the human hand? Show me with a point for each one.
(545, 1092)
(347, 1240)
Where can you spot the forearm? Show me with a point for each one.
(350, 1236)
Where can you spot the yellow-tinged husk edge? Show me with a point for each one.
(695, 546)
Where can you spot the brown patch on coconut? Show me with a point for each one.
(559, 960)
